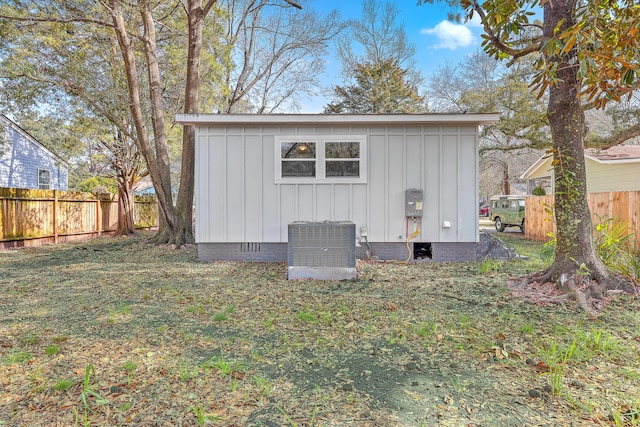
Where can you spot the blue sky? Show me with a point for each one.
(436, 39)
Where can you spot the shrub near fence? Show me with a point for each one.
(624, 206)
(32, 217)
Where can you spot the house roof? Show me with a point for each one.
(336, 119)
(7, 121)
(617, 155)
(614, 155)
(533, 169)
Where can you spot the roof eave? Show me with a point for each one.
(534, 167)
(32, 139)
(618, 161)
(336, 119)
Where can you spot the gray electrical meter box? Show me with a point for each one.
(413, 202)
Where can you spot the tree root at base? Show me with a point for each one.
(590, 291)
(570, 283)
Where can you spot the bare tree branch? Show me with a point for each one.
(56, 20)
(617, 138)
(294, 4)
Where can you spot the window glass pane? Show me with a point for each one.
(298, 168)
(43, 179)
(343, 168)
(342, 150)
(298, 150)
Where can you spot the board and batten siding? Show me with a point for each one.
(238, 200)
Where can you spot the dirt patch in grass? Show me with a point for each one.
(117, 332)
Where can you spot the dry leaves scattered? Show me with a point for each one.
(170, 341)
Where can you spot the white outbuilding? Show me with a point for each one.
(402, 186)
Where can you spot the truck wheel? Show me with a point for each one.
(522, 227)
(499, 224)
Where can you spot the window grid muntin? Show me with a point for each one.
(321, 159)
(44, 179)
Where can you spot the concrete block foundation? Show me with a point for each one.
(385, 251)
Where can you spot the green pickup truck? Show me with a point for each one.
(507, 211)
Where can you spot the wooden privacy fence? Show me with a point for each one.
(623, 206)
(32, 217)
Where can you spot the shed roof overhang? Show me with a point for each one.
(338, 119)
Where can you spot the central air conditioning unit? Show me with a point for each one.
(322, 250)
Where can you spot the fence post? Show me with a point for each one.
(99, 215)
(55, 216)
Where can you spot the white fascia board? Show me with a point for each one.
(534, 167)
(612, 161)
(540, 162)
(337, 119)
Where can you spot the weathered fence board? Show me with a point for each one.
(58, 215)
(624, 206)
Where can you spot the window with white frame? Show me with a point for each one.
(320, 158)
(44, 179)
(3, 138)
(298, 159)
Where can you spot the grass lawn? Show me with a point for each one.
(115, 332)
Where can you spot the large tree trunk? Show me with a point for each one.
(126, 208)
(175, 231)
(506, 186)
(195, 17)
(577, 267)
(156, 156)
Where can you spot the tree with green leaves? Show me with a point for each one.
(151, 41)
(585, 51)
(47, 63)
(379, 87)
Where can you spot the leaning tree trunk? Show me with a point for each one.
(173, 233)
(577, 268)
(157, 164)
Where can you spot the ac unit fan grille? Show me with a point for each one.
(322, 245)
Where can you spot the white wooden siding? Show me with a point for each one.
(467, 202)
(237, 199)
(271, 218)
(603, 177)
(450, 186)
(22, 157)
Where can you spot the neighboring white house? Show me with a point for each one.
(612, 169)
(256, 174)
(26, 163)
